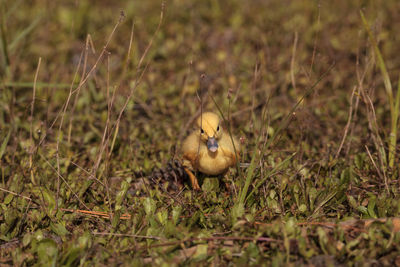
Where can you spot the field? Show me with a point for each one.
(96, 98)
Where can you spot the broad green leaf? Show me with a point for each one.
(59, 229)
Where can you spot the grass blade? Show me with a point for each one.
(393, 133)
(394, 107)
(274, 170)
(38, 85)
(381, 62)
(23, 34)
(4, 144)
(4, 48)
(282, 125)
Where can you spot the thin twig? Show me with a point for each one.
(83, 75)
(215, 238)
(88, 173)
(293, 60)
(128, 235)
(316, 37)
(124, 71)
(94, 67)
(377, 169)
(60, 176)
(101, 214)
(346, 129)
(31, 119)
(64, 110)
(105, 133)
(16, 194)
(377, 139)
(138, 79)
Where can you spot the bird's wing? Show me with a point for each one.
(190, 157)
(230, 156)
(229, 150)
(190, 151)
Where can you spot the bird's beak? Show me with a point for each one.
(212, 144)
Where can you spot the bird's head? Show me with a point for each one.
(210, 130)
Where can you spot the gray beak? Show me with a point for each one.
(212, 144)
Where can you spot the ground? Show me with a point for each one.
(97, 96)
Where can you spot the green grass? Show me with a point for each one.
(394, 101)
(91, 96)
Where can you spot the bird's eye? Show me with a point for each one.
(201, 130)
(218, 128)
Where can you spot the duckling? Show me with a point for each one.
(209, 149)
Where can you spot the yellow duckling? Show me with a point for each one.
(209, 149)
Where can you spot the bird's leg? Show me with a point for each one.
(193, 179)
